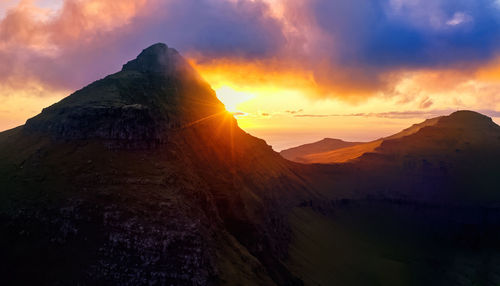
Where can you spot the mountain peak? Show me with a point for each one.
(468, 115)
(466, 119)
(156, 92)
(326, 144)
(158, 58)
(331, 140)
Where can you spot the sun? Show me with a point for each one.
(232, 98)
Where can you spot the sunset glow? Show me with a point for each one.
(288, 67)
(231, 98)
(250, 142)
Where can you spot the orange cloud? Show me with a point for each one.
(490, 72)
(245, 73)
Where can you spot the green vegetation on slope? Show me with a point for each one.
(379, 244)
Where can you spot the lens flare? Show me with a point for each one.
(232, 98)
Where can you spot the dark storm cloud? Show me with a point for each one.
(392, 34)
(212, 28)
(372, 39)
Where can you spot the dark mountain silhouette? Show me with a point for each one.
(143, 178)
(324, 145)
(456, 157)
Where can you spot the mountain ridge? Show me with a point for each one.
(326, 144)
(340, 155)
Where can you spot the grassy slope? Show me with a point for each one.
(421, 210)
(212, 189)
(328, 144)
(324, 252)
(41, 179)
(341, 155)
(377, 245)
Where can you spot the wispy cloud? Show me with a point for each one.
(425, 103)
(401, 114)
(458, 19)
(294, 111)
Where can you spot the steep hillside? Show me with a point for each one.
(143, 178)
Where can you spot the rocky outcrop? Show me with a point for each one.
(131, 125)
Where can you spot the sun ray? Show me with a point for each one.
(232, 98)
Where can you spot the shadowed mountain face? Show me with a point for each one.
(457, 158)
(420, 209)
(143, 178)
(438, 159)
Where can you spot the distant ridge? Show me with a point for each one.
(463, 119)
(326, 144)
(455, 133)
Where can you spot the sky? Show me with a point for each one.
(292, 71)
